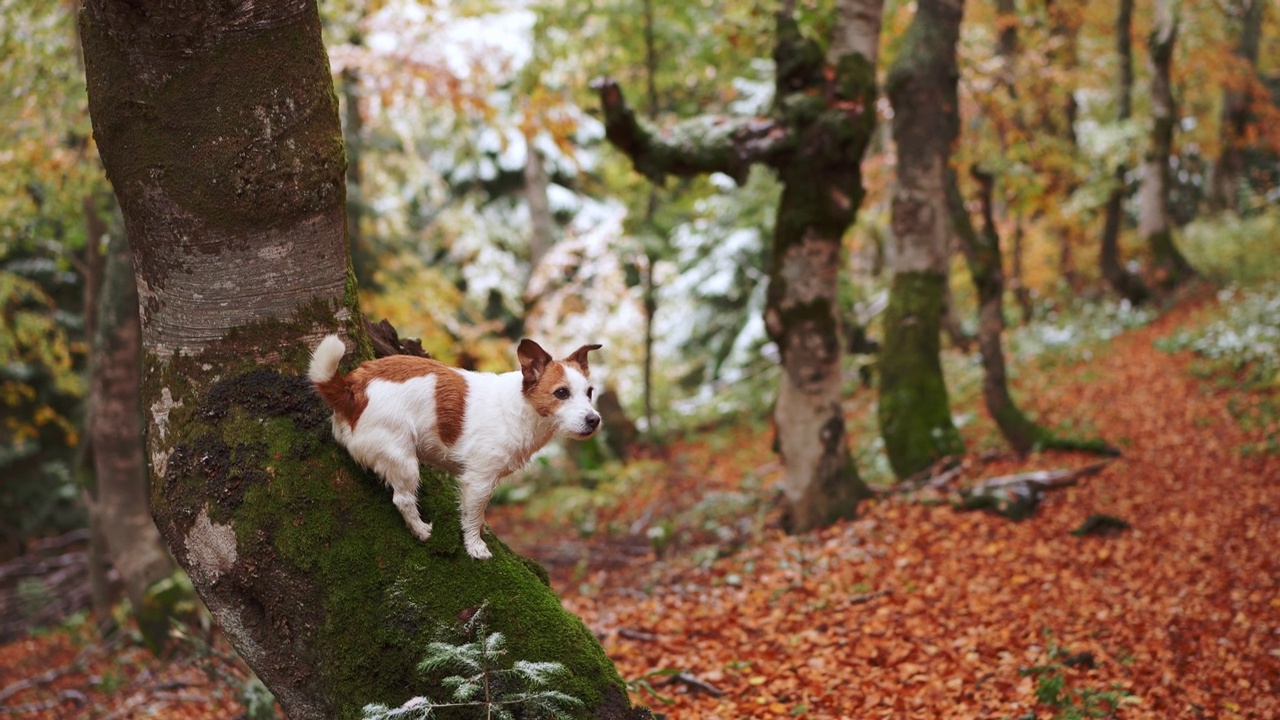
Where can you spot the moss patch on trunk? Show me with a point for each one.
(914, 412)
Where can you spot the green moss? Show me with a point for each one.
(914, 411)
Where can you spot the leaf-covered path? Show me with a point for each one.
(914, 610)
(921, 611)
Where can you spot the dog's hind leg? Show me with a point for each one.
(402, 475)
(475, 489)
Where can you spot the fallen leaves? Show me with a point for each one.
(916, 611)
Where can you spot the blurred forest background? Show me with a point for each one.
(485, 204)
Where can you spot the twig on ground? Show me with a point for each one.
(637, 635)
(695, 683)
(867, 597)
(1041, 479)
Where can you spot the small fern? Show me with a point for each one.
(481, 682)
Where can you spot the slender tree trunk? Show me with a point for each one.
(1237, 99)
(914, 411)
(982, 252)
(219, 131)
(1058, 121)
(1127, 284)
(1007, 19)
(1154, 217)
(817, 153)
(541, 225)
(363, 258)
(117, 498)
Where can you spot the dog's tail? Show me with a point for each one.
(325, 359)
(333, 387)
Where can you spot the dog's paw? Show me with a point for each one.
(422, 531)
(477, 549)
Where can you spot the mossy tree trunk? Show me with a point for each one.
(822, 119)
(914, 411)
(1154, 217)
(117, 495)
(1128, 285)
(218, 127)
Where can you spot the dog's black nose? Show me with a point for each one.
(593, 421)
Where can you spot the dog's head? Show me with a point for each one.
(560, 389)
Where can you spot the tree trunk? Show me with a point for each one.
(1154, 223)
(363, 258)
(219, 131)
(914, 412)
(117, 496)
(1237, 99)
(822, 189)
(1127, 284)
(817, 152)
(541, 225)
(982, 252)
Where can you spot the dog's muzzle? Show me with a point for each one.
(590, 423)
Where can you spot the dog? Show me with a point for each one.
(394, 412)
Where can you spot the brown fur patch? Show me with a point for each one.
(347, 400)
(451, 404)
(542, 393)
(451, 389)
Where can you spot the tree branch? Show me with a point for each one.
(705, 144)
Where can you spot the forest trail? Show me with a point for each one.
(1177, 617)
(913, 610)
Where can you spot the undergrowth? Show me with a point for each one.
(1238, 350)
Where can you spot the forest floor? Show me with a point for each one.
(913, 610)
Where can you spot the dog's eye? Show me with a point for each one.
(562, 393)
(589, 391)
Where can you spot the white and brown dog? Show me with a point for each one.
(395, 411)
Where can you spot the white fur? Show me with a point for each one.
(501, 430)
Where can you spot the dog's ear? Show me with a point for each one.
(579, 356)
(533, 361)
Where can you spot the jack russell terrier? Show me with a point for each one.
(395, 411)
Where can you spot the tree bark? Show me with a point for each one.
(914, 411)
(1154, 222)
(117, 496)
(814, 138)
(1237, 99)
(1126, 284)
(218, 128)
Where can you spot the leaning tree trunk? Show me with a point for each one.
(1154, 217)
(982, 253)
(116, 497)
(1237, 98)
(219, 131)
(816, 149)
(1127, 284)
(914, 412)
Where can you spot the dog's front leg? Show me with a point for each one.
(476, 489)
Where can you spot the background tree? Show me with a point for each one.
(116, 494)
(294, 549)
(1155, 223)
(914, 412)
(820, 123)
(1127, 284)
(1238, 98)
